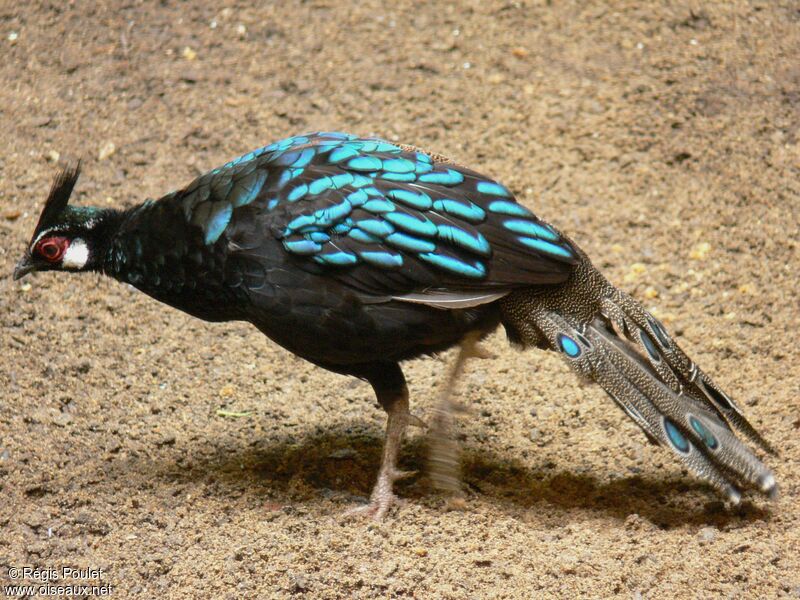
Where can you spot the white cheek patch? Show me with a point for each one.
(76, 256)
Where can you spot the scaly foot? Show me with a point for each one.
(382, 498)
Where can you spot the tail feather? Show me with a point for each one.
(675, 366)
(611, 339)
(700, 438)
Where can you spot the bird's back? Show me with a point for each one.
(333, 244)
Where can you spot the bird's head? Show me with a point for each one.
(65, 237)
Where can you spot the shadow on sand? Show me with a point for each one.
(343, 463)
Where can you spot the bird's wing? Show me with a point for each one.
(386, 220)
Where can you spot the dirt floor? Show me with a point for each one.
(665, 139)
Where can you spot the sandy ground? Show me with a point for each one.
(663, 138)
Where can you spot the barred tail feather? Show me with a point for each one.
(670, 361)
(630, 355)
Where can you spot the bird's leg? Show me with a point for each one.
(382, 496)
(395, 403)
(444, 451)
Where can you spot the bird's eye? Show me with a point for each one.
(52, 249)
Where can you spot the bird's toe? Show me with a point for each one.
(377, 509)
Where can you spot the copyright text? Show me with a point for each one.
(27, 582)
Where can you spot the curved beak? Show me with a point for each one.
(24, 266)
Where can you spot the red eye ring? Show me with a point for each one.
(52, 249)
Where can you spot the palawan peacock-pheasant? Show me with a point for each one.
(357, 254)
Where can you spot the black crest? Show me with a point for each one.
(60, 192)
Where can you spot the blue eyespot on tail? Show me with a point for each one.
(568, 346)
(659, 330)
(704, 433)
(675, 437)
(648, 344)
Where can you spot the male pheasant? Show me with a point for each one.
(357, 254)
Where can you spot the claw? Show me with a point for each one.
(397, 475)
(376, 510)
(382, 498)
